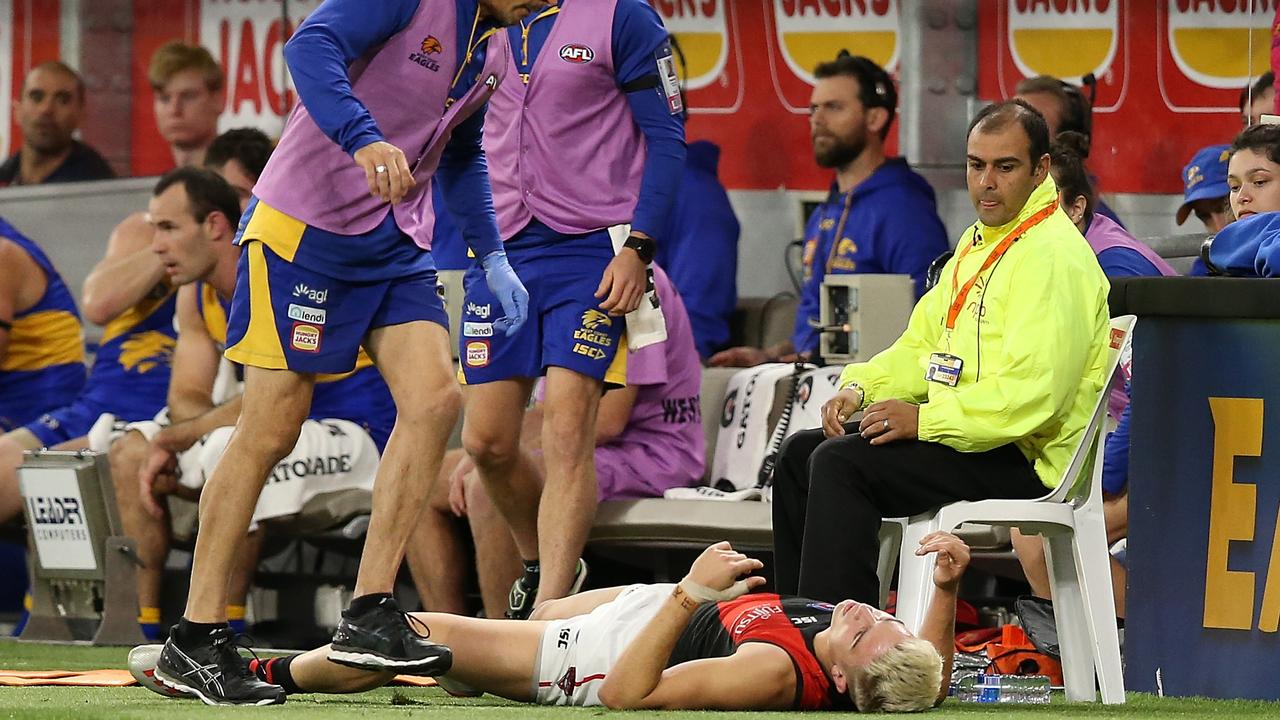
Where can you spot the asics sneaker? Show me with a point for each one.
(381, 638)
(142, 666)
(213, 670)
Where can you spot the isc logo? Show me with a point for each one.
(577, 54)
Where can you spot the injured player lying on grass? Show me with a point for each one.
(704, 643)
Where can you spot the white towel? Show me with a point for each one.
(645, 325)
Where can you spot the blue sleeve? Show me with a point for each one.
(463, 174)
(1115, 456)
(1249, 247)
(1125, 262)
(805, 337)
(910, 237)
(638, 39)
(332, 37)
(638, 34)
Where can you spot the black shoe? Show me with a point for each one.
(382, 639)
(213, 670)
(523, 593)
(520, 599)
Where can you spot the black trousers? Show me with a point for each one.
(830, 494)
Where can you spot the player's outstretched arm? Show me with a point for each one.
(939, 625)
(637, 679)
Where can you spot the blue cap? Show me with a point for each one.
(1204, 177)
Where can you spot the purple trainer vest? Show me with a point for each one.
(1105, 233)
(565, 148)
(310, 178)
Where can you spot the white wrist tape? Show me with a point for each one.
(704, 594)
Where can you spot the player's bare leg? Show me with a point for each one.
(568, 443)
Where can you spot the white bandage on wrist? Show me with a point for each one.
(704, 594)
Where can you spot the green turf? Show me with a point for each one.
(48, 703)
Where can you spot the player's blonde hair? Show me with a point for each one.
(906, 678)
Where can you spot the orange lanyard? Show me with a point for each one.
(1001, 248)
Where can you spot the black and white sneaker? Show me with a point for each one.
(142, 666)
(382, 638)
(213, 670)
(523, 593)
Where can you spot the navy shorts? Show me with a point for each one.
(565, 327)
(284, 316)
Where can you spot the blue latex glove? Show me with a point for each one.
(506, 286)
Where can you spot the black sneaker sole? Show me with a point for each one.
(362, 659)
(206, 699)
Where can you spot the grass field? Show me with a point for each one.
(48, 703)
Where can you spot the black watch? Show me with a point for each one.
(644, 247)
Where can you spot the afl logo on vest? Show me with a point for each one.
(577, 54)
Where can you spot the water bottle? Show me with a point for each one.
(1016, 689)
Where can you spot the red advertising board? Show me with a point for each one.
(755, 107)
(1169, 71)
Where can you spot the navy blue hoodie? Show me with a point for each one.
(892, 227)
(699, 250)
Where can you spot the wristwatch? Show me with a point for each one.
(644, 247)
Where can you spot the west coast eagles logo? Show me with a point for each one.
(430, 46)
(146, 351)
(594, 319)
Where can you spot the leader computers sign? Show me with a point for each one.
(56, 514)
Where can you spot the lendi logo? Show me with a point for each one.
(302, 313)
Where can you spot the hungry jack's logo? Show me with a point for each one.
(1201, 33)
(810, 32)
(1065, 40)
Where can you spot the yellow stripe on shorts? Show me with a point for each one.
(282, 233)
(260, 346)
(617, 372)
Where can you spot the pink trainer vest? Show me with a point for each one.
(565, 148)
(310, 178)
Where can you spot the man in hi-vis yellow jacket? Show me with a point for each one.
(984, 395)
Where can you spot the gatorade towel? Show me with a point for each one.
(815, 388)
(743, 438)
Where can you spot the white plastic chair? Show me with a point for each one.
(1075, 538)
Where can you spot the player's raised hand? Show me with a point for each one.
(386, 171)
(953, 558)
(721, 573)
(506, 286)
